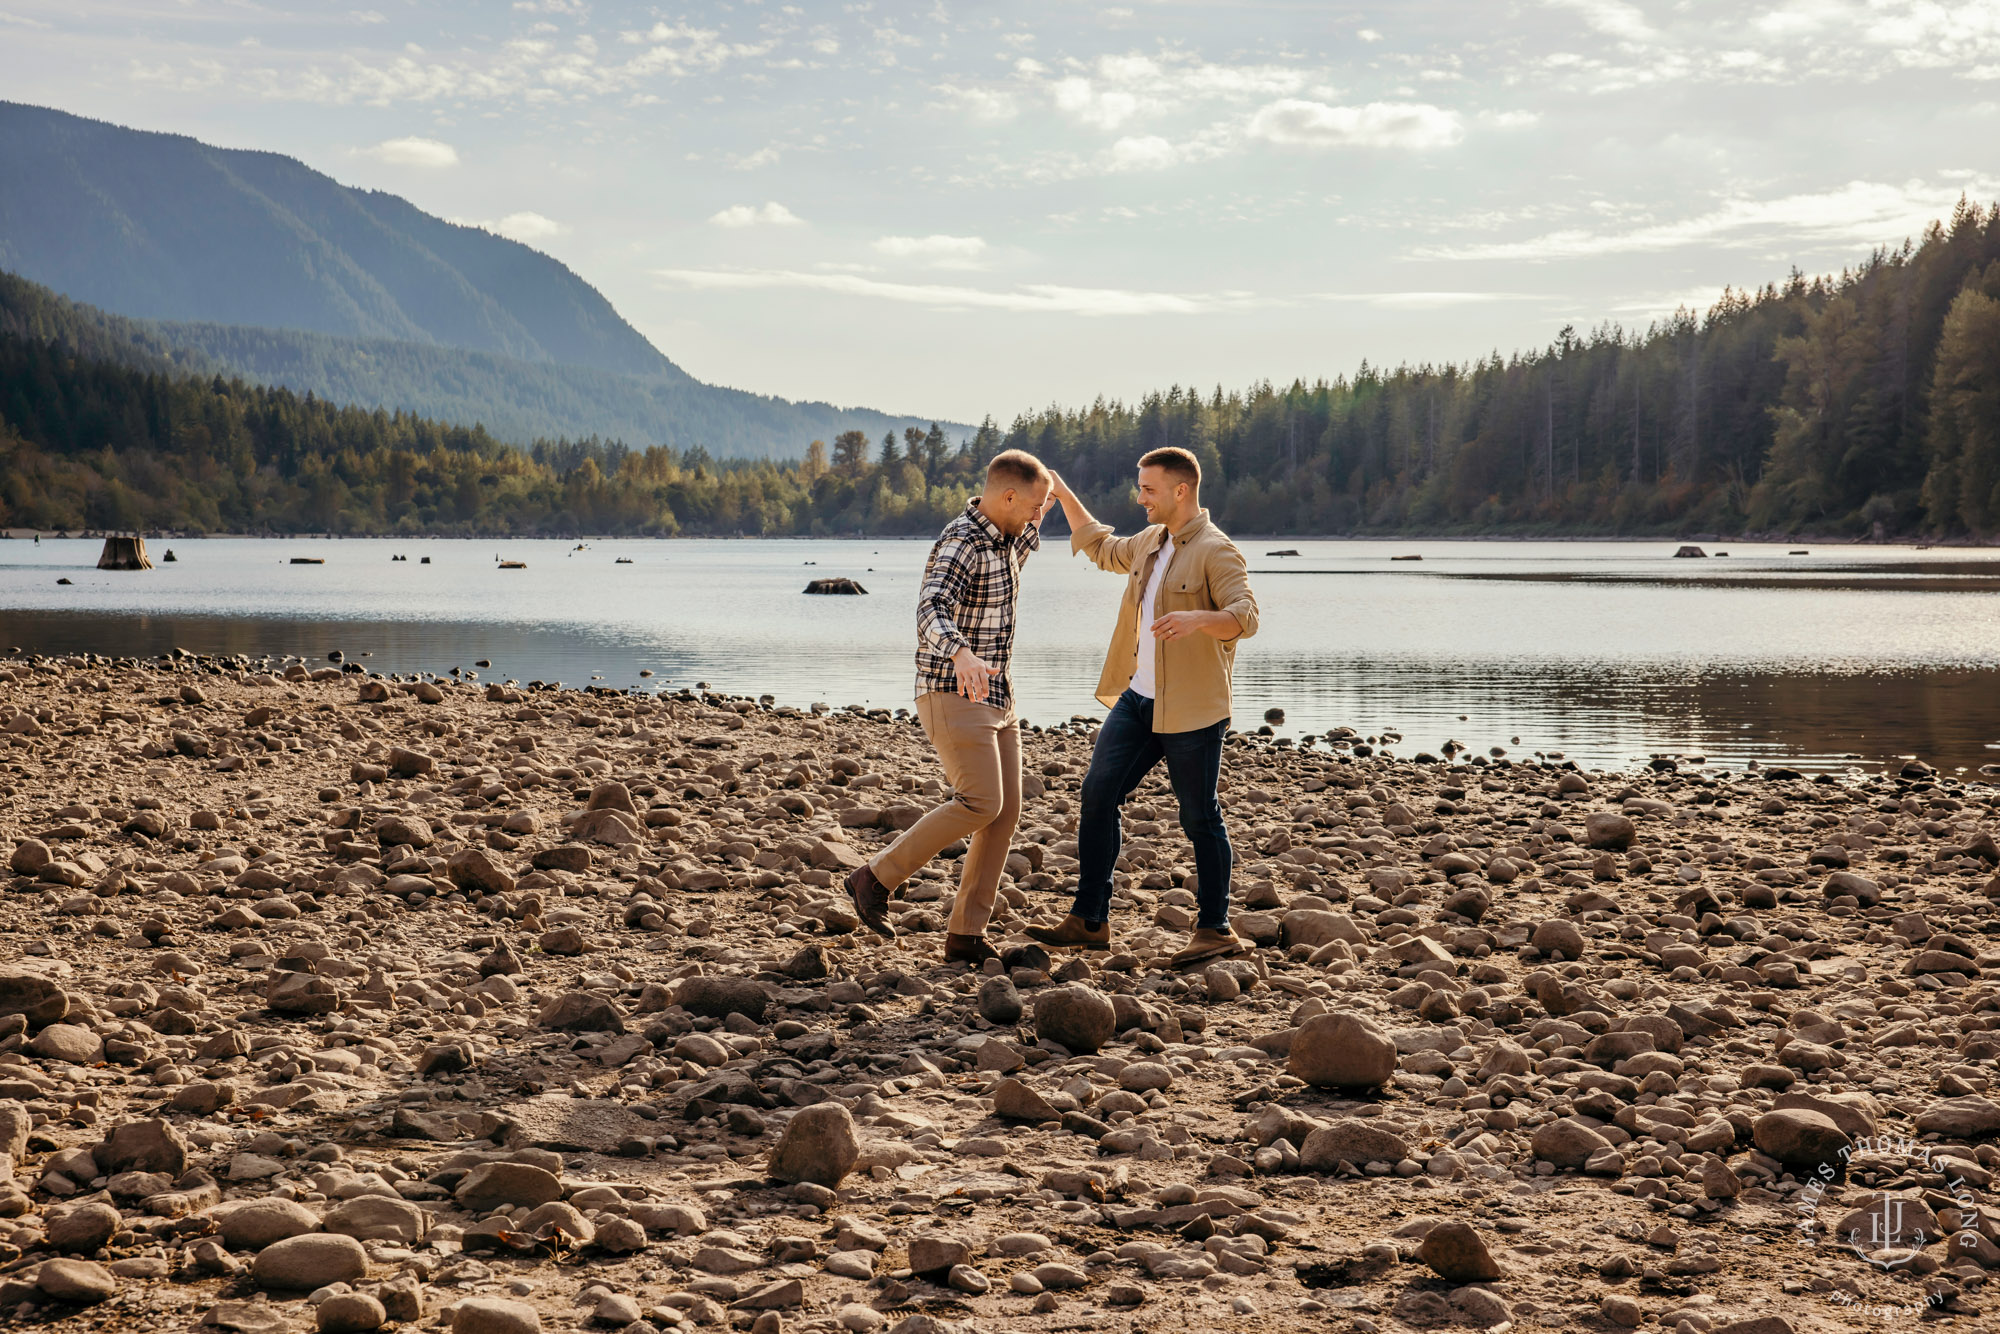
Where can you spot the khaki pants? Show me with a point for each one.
(980, 748)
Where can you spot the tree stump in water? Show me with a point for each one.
(124, 553)
(834, 586)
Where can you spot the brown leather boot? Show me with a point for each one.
(1208, 943)
(967, 949)
(1072, 931)
(871, 900)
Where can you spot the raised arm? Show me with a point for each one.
(1090, 537)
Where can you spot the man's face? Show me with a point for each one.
(1022, 505)
(1158, 493)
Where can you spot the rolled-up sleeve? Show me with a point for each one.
(946, 581)
(1110, 553)
(1229, 588)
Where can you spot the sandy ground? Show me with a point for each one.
(331, 1001)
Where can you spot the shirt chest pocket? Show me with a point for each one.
(1184, 591)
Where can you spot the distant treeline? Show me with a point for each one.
(1862, 405)
(1866, 404)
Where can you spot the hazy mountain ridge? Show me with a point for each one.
(268, 269)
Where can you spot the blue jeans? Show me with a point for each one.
(1127, 749)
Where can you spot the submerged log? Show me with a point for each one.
(1686, 552)
(834, 586)
(124, 553)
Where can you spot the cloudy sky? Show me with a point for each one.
(954, 208)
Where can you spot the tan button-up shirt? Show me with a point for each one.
(1191, 675)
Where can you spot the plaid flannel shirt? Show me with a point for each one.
(972, 583)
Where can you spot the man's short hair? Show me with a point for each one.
(1179, 465)
(1017, 468)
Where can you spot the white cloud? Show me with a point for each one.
(1099, 108)
(1426, 300)
(1613, 18)
(1858, 213)
(1145, 152)
(1033, 299)
(982, 104)
(22, 20)
(414, 152)
(1412, 125)
(1117, 90)
(767, 156)
(939, 251)
(770, 214)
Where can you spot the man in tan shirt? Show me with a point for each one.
(1166, 681)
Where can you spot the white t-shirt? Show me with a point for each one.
(1142, 676)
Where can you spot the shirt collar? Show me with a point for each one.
(986, 525)
(1187, 531)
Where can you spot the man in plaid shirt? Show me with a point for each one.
(965, 700)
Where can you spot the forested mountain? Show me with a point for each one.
(104, 425)
(276, 272)
(1864, 405)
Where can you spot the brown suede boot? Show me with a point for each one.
(1207, 943)
(871, 900)
(967, 949)
(1072, 931)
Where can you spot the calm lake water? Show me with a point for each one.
(1607, 652)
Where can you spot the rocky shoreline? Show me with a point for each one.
(338, 1001)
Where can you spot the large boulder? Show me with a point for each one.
(1351, 1141)
(1567, 1142)
(1076, 1017)
(251, 1225)
(143, 1146)
(1342, 1051)
(34, 997)
(581, 1012)
(490, 1185)
(301, 993)
(720, 997)
(70, 1043)
(1609, 830)
(78, 1282)
(378, 1218)
(313, 1260)
(818, 1145)
(1960, 1118)
(1458, 1254)
(1798, 1137)
(474, 869)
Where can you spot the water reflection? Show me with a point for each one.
(1607, 652)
